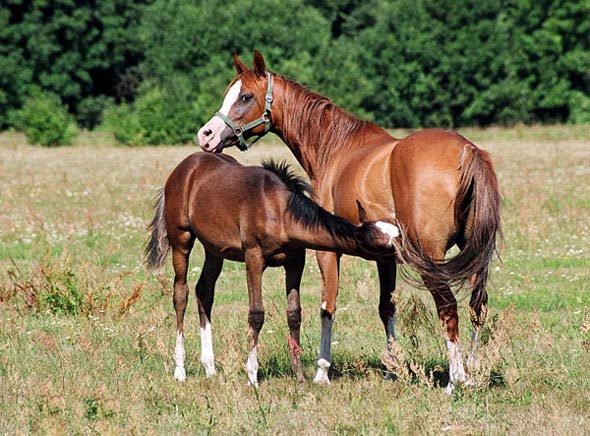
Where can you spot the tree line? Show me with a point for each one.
(152, 71)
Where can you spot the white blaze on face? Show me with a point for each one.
(210, 134)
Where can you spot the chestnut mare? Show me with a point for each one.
(256, 215)
(439, 187)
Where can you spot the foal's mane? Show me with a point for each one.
(301, 206)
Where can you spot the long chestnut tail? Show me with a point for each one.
(158, 246)
(477, 203)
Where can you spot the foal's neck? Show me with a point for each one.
(318, 131)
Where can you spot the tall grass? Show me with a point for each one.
(86, 335)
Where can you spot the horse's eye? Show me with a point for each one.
(246, 98)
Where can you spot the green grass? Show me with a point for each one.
(87, 335)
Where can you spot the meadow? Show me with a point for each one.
(87, 335)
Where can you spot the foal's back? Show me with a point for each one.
(226, 205)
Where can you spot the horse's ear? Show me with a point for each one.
(239, 65)
(362, 212)
(259, 64)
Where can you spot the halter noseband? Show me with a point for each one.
(263, 119)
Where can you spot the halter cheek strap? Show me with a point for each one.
(263, 119)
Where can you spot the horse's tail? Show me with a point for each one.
(158, 245)
(477, 212)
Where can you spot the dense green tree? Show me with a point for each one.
(193, 46)
(85, 52)
(159, 67)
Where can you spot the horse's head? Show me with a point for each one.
(246, 109)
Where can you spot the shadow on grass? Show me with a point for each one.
(346, 366)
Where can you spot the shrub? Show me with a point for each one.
(123, 121)
(45, 120)
(157, 117)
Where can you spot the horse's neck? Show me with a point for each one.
(318, 132)
(319, 238)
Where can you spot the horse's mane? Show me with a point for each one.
(332, 126)
(303, 208)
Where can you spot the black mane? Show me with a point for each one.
(303, 208)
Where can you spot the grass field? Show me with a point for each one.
(86, 335)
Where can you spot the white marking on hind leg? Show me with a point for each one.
(207, 356)
(252, 367)
(179, 372)
(456, 369)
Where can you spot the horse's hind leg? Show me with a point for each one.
(180, 256)
(205, 291)
(293, 273)
(446, 306)
(254, 269)
(387, 276)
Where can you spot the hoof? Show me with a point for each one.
(390, 376)
(179, 374)
(209, 365)
(321, 377)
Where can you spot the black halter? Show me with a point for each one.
(264, 118)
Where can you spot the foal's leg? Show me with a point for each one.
(446, 306)
(293, 273)
(329, 264)
(180, 258)
(387, 275)
(205, 291)
(479, 311)
(254, 269)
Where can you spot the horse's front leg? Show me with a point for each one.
(387, 276)
(254, 269)
(293, 273)
(446, 306)
(180, 258)
(329, 264)
(205, 291)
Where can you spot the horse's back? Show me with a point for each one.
(223, 203)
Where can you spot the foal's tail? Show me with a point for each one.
(477, 216)
(158, 245)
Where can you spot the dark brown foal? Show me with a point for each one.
(257, 215)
